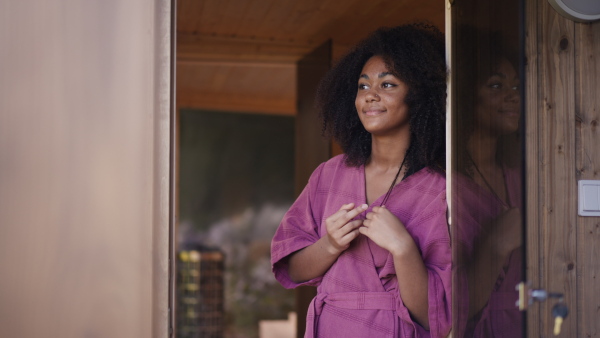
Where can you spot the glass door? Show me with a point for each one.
(486, 167)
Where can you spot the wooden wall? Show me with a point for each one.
(84, 168)
(563, 146)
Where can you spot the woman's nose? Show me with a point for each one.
(372, 95)
(513, 94)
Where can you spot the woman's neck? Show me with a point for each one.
(482, 149)
(389, 152)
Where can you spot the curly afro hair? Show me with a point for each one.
(415, 54)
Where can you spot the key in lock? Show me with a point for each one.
(559, 312)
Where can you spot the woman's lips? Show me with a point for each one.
(373, 112)
(510, 113)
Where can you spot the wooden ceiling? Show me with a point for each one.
(240, 55)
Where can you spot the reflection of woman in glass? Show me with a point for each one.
(488, 196)
(370, 227)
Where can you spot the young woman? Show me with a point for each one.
(370, 227)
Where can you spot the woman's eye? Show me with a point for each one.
(388, 85)
(495, 85)
(362, 86)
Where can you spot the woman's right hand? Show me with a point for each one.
(342, 229)
(314, 260)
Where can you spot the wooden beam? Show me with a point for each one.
(208, 48)
(239, 103)
(237, 86)
(234, 63)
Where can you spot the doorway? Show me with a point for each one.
(239, 58)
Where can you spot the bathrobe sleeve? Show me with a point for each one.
(437, 258)
(298, 229)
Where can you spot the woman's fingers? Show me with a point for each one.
(345, 214)
(347, 206)
(341, 212)
(340, 239)
(350, 231)
(375, 213)
(342, 227)
(348, 227)
(364, 230)
(354, 212)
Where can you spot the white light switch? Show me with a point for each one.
(589, 198)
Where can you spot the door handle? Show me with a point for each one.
(528, 295)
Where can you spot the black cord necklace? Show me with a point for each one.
(483, 178)
(387, 194)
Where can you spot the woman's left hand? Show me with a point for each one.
(387, 231)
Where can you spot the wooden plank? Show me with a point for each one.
(204, 47)
(309, 17)
(301, 21)
(212, 18)
(256, 18)
(587, 75)
(558, 184)
(278, 13)
(188, 13)
(533, 159)
(248, 88)
(233, 12)
(356, 23)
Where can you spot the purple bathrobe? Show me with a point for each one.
(358, 296)
(475, 207)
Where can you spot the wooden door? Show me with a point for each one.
(562, 79)
(311, 147)
(84, 168)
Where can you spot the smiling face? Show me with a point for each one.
(380, 99)
(498, 101)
